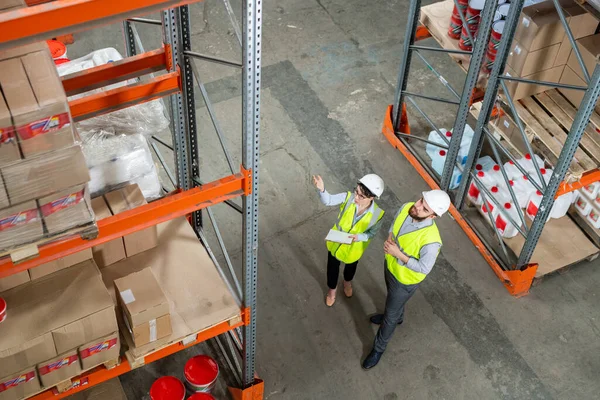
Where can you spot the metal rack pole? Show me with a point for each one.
(586, 108)
(251, 77)
(129, 39)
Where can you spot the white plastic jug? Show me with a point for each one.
(523, 190)
(546, 174)
(485, 164)
(591, 190)
(499, 195)
(527, 162)
(561, 205)
(465, 144)
(503, 225)
(474, 192)
(432, 150)
(583, 205)
(437, 163)
(533, 204)
(594, 217)
(496, 174)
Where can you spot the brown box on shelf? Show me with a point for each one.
(4, 203)
(110, 389)
(110, 252)
(14, 280)
(67, 209)
(125, 199)
(589, 48)
(20, 385)
(9, 149)
(61, 263)
(46, 125)
(581, 22)
(23, 50)
(99, 351)
(20, 224)
(6, 5)
(569, 77)
(20, 350)
(539, 26)
(563, 53)
(44, 175)
(520, 90)
(60, 368)
(526, 63)
(145, 307)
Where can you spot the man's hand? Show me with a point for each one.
(318, 182)
(354, 238)
(392, 249)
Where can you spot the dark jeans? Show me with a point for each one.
(333, 271)
(397, 296)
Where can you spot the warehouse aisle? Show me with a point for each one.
(328, 73)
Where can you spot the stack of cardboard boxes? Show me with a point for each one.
(573, 75)
(43, 174)
(541, 49)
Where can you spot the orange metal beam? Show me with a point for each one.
(126, 96)
(516, 282)
(586, 179)
(49, 20)
(118, 71)
(165, 209)
(101, 374)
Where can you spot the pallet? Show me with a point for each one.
(592, 233)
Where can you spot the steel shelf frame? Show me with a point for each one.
(517, 276)
(191, 194)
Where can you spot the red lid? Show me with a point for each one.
(442, 153)
(496, 167)
(61, 60)
(201, 396)
(201, 370)
(528, 156)
(511, 163)
(2, 305)
(525, 177)
(543, 171)
(507, 206)
(511, 182)
(538, 192)
(494, 189)
(478, 167)
(57, 49)
(481, 174)
(167, 388)
(448, 134)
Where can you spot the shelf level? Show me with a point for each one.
(165, 209)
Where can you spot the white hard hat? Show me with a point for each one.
(374, 183)
(438, 201)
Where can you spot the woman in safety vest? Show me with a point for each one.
(359, 216)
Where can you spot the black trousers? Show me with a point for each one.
(333, 271)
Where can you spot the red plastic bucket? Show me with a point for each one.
(201, 396)
(2, 309)
(59, 61)
(472, 18)
(57, 49)
(496, 36)
(455, 27)
(167, 388)
(201, 373)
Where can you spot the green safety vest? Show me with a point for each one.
(411, 243)
(349, 253)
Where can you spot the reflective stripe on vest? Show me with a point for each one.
(349, 253)
(411, 243)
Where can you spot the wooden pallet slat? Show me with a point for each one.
(571, 110)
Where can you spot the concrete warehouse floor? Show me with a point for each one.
(329, 70)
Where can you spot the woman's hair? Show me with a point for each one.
(365, 190)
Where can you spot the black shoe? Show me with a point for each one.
(377, 319)
(372, 359)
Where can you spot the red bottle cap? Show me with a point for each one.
(507, 206)
(442, 153)
(478, 167)
(538, 192)
(543, 171)
(496, 168)
(494, 189)
(448, 134)
(528, 156)
(481, 174)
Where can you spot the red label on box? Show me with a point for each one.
(24, 378)
(46, 369)
(7, 135)
(18, 219)
(63, 202)
(44, 126)
(97, 348)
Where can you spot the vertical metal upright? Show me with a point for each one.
(129, 39)
(251, 77)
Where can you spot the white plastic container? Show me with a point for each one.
(527, 162)
(437, 163)
(546, 174)
(523, 190)
(432, 150)
(465, 144)
(583, 205)
(496, 174)
(485, 164)
(561, 205)
(503, 225)
(594, 217)
(591, 191)
(499, 195)
(511, 170)
(533, 204)
(474, 192)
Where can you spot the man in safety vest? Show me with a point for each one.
(411, 249)
(360, 217)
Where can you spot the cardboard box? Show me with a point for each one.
(569, 77)
(110, 252)
(581, 22)
(563, 53)
(539, 26)
(111, 389)
(20, 224)
(9, 149)
(86, 312)
(20, 385)
(524, 63)
(23, 50)
(67, 209)
(100, 351)
(14, 280)
(589, 48)
(60, 264)
(125, 199)
(45, 175)
(4, 203)
(6, 5)
(150, 331)
(520, 90)
(141, 297)
(60, 368)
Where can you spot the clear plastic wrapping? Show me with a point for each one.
(115, 160)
